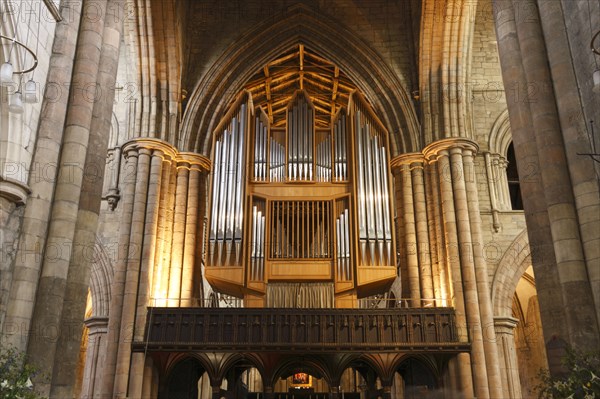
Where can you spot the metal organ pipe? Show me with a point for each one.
(261, 129)
(300, 132)
(257, 258)
(277, 163)
(225, 235)
(343, 246)
(212, 236)
(339, 148)
(361, 192)
(374, 217)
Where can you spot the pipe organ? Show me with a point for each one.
(228, 187)
(300, 136)
(311, 206)
(372, 191)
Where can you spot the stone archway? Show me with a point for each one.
(511, 267)
(96, 325)
(182, 379)
(238, 63)
(511, 325)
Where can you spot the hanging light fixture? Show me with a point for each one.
(7, 70)
(6, 73)
(15, 104)
(30, 92)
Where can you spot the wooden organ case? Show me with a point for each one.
(300, 204)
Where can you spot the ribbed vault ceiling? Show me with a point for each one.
(299, 68)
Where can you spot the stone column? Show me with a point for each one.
(148, 380)
(118, 284)
(146, 266)
(460, 204)
(571, 120)
(97, 329)
(160, 285)
(401, 244)
(192, 238)
(410, 236)
(386, 391)
(424, 250)
(438, 156)
(133, 264)
(177, 251)
(29, 257)
(467, 266)
(557, 252)
(436, 237)
(216, 391)
(334, 392)
(509, 366)
(481, 271)
(51, 292)
(84, 240)
(414, 224)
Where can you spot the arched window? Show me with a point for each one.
(512, 175)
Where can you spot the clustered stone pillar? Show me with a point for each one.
(189, 277)
(414, 223)
(120, 273)
(439, 259)
(553, 199)
(155, 178)
(460, 205)
(439, 161)
(409, 237)
(438, 207)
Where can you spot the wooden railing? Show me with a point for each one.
(307, 330)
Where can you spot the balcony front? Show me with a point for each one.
(285, 330)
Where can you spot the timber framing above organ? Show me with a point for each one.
(300, 69)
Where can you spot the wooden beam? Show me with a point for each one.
(268, 92)
(283, 59)
(320, 77)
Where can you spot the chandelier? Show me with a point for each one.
(27, 94)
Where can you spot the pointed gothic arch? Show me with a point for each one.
(511, 267)
(239, 62)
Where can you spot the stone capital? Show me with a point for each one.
(156, 146)
(437, 148)
(413, 160)
(505, 324)
(14, 190)
(96, 324)
(195, 160)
